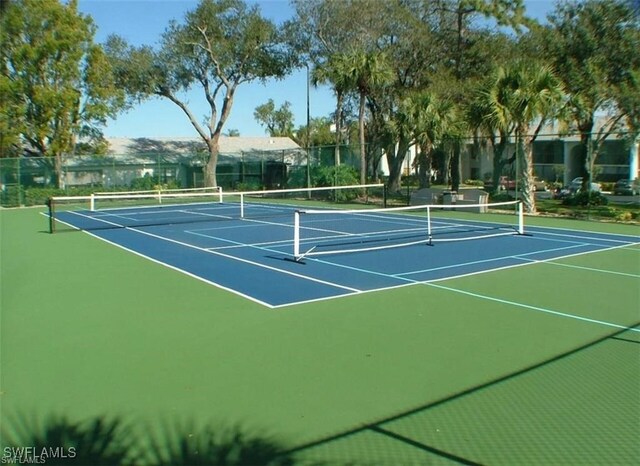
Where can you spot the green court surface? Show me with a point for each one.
(538, 364)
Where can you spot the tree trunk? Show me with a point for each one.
(338, 129)
(455, 167)
(424, 166)
(57, 163)
(363, 154)
(395, 160)
(446, 172)
(210, 177)
(525, 154)
(586, 139)
(499, 161)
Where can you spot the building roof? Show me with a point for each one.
(190, 145)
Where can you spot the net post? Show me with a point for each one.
(241, 205)
(220, 194)
(520, 219)
(296, 235)
(92, 203)
(160, 196)
(384, 195)
(51, 207)
(429, 235)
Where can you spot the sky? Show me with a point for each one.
(142, 22)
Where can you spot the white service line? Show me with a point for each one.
(247, 261)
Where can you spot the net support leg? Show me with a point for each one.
(296, 235)
(520, 219)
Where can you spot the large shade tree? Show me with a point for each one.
(221, 45)
(56, 82)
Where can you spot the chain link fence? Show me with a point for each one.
(31, 180)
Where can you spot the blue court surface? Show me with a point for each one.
(254, 256)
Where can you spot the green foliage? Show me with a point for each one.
(278, 122)
(318, 134)
(474, 183)
(326, 176)
(586, 198)
(56, 83)
(501, 197)
(249, 186)
(297, 177)
(593, 46)
(342, 175)
(38, 196)
(148, 183)
(220, 45)
(618, 213)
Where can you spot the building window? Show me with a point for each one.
(548, 152)
(613, 153)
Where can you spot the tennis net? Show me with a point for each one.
(320, 232)
(282, 202)
(132, 209)
(150, 208)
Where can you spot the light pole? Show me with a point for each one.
(308, 136)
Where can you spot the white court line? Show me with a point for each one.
(493, 259)
(433, 283)
(534, 308)
(535, 231)
(246, 261)
(257, 264)
(408, 282)
(591, 269)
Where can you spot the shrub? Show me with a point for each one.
(501, 197)
(586, 198)
(249, 186)
(624, 216)
(149, 183)
(474, 182)
(326, 176)
(342, 175)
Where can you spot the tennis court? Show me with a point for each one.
(282, 254)
(519, 347)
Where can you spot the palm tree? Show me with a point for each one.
(484, 124)
(335, 72)
(428, 118)
(366, 71)
(525, 94)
